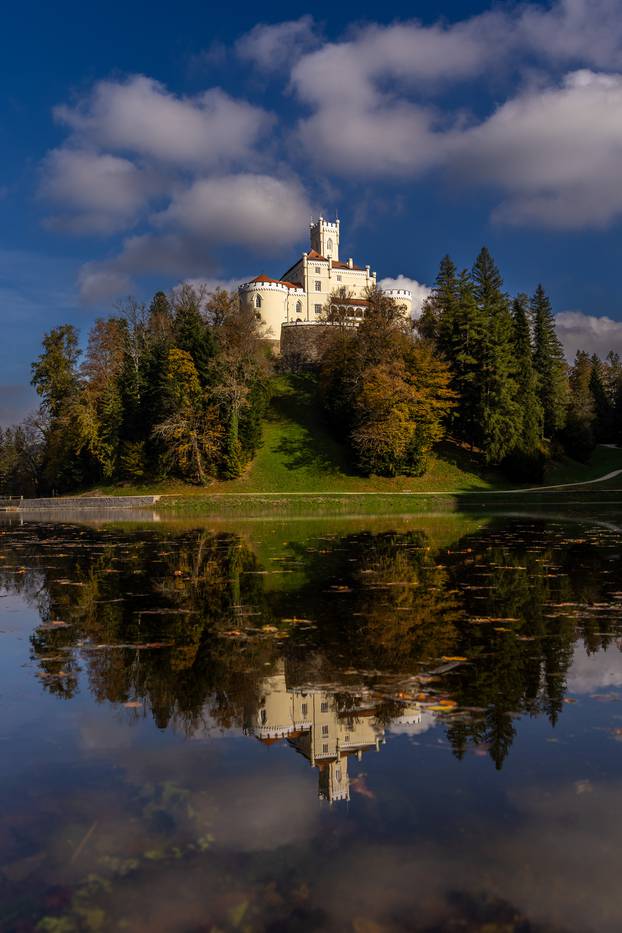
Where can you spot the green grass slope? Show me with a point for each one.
(299, 454)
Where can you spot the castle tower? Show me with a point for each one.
(325, 238)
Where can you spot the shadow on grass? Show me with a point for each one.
(310, 445)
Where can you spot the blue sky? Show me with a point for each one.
(147, 143)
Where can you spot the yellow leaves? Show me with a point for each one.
(453, 658)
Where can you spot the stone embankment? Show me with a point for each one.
(71, 503)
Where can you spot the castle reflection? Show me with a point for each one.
(310, 719)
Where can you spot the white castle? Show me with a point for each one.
(308, 718)
(304, 290)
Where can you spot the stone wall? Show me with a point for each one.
(300, 344)
(86, 502)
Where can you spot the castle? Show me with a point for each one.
(304, 290)
(309, 719)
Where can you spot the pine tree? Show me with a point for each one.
(550, 364)
(578, 435)
(604, 405)
(532, 414)
(463, 350)
(192, 333)
(499, 415)
(436, 321)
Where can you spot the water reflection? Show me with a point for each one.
(377, 628)
(190, 693)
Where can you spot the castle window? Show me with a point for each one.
(318, 286)
(305, 710)
(299, 307)
(258, 301)
(329, 247)
(339, 278)
(325, 749)
(324, 730)
(346, 738)
(317, 270)
(264, 717)
(338, 775)
(324, 707)
(318, 309)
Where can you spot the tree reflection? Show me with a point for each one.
(382, 627)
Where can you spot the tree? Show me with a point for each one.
(578, 433)
(389, 392)
(604, 402)
(191, 433)
(438, 313)
(550, 364)
(191, 331)
(499, 413)
(532, 414)
(54, 373)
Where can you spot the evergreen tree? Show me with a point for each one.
(437, 317)
(578, 435)
(604, 404)
(192, 333)
(464, 350)
(532, 414)
(499, 414)
(550, 364)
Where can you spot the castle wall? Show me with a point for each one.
(300, 343)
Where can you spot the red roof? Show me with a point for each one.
(344, 265)
(265, 278)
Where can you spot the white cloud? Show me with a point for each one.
(141, 116)
(275, 46)
(419, 291)
(253, 210)
(578, 331)
(99, 193)
(552, 150)
(555, 151)
(589, 672)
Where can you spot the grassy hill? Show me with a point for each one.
(300, 455)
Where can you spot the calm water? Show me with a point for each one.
(365, 725)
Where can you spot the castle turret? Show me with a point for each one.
(325, 238)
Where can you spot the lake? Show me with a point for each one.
(366, 724)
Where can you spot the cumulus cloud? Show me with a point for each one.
(141, 116)
(589, 672)
(98, 192)
(170, 254)
(271, 47)
(419, 291)
(555, 151)
(552, 150)
(578, 331)
(247, 209)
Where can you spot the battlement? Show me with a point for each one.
(270, 286)
(324, 236)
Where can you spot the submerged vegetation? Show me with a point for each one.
(180, 391)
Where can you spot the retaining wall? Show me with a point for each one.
(66, 503)
(300, 343)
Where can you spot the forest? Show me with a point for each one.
(180, 388)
